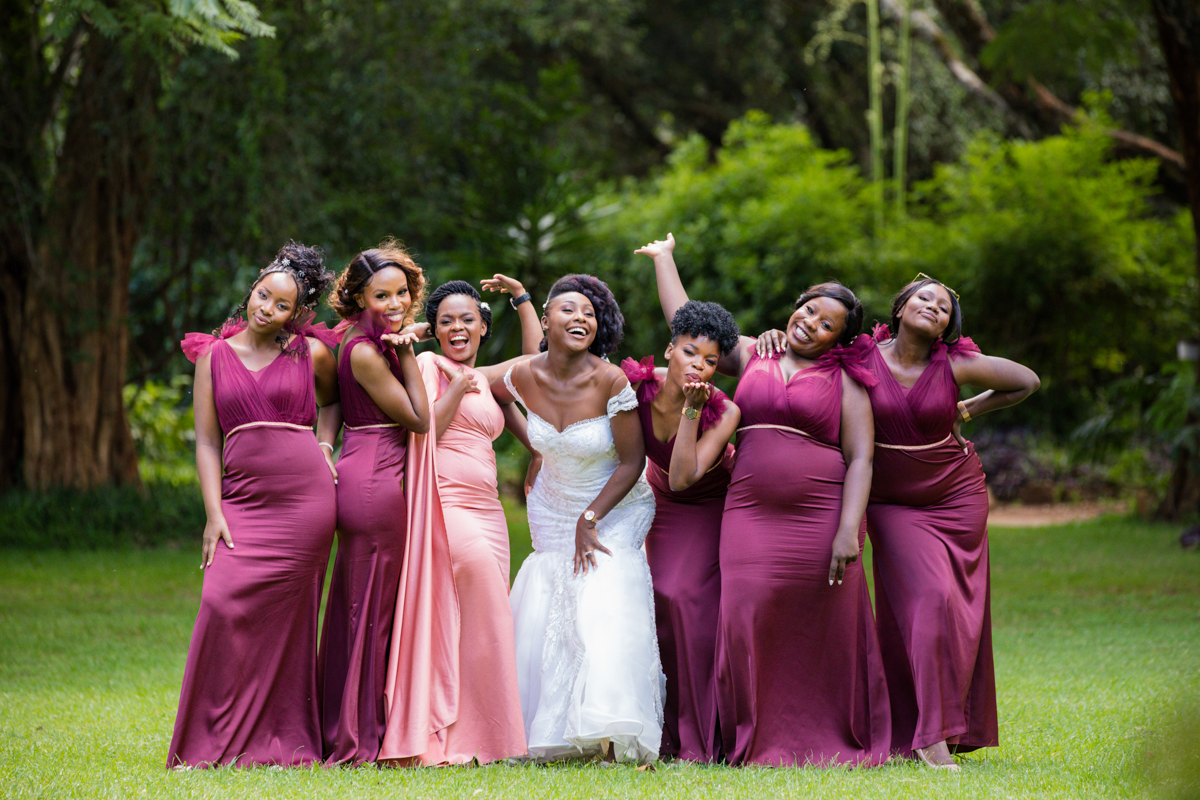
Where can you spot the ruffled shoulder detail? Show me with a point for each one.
(963, 348)
(881, 332)
(624, 400)
(852, 359)
(302, 325)
(714, 409)
(642, 372)
(373, 325)
(197, 345)
(639, 370)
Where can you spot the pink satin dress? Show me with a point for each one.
(799, 675)
(488, 725)
(927, 519)
(249, 692)
(372, 531)
(683, 549)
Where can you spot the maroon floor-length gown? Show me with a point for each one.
(372, 526)
(682, 548)
(799, 675)
(927, 520)
(249, 691)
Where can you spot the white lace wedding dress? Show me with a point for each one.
(587, 652)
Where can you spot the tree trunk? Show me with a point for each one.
(1179, 35)
(73, 322)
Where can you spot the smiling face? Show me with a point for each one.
(459, 327)
(272, 303)
(387, 293)
(815, 327)
(692, 359)
(570, 322)
(927, 311)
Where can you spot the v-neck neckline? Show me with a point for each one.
(906, 390)
(254, 372)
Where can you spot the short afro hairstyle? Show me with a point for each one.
(953, 330)
(610, 323)
(362, 268)
(709, 320)
(450, 288)
(836, 291)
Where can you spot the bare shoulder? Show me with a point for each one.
(611, 377)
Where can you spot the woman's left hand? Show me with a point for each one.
(587, 542)
(845, 551)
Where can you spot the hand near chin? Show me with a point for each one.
(403, 341)
(696, 394)
(459, 378)
(423, 331)
(658, 247)
(770, 343)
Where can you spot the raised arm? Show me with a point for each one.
(631, 460)
(691, 458)
(671, 293)
(531, 325)
(858, 449)
(210, 443)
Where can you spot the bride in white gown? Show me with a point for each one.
(583, 607)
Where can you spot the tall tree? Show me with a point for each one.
(1179, 32)
(79, 81)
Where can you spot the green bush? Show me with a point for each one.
(1060, 254)
(160, 419)
(102, 518)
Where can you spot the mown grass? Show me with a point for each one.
(1097, 636)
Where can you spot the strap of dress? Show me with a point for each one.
(624, 400)
(513, 389)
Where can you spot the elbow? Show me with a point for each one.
(419, 426)
(679, 483)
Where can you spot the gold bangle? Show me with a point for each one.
(962, 410)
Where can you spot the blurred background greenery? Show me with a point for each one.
(1026, 152)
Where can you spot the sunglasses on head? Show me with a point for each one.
(922, 276)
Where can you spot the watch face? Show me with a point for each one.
(691, 413)
(589, 515)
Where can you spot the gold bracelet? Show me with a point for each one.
(962, 409)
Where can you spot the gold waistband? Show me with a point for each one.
(290, 425)
(377, 425)
(914, 446)
(775, 427)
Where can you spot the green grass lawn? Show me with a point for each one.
(1097, 638)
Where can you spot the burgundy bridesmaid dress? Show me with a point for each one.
(799, 675)
(250, 685)
(372, 524)
(928, 524)
(683, 550)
